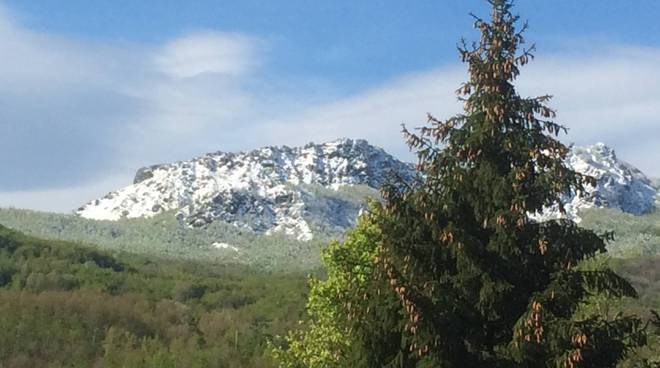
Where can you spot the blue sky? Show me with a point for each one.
(91, 90)
(353, 44)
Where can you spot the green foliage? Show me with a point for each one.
(643, 273)
(337, 326)
(64, 304)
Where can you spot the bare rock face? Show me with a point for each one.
(276, 189)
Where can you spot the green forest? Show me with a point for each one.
(67, 305)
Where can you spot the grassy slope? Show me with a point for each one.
(164, 237)
(635, 254)
(633, 235)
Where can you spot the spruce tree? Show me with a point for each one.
(481, 283)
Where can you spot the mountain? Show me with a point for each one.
(285, 190)
(619, 185)
(301, 191)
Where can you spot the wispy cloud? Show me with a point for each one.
(207, 52)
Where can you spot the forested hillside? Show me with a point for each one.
(67, 305)
(633, 235)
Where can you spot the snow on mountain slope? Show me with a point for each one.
(266, 190)
(618, 184)
(655, 182)
(291, 190)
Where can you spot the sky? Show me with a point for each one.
(92, 90)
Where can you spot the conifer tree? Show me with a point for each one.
(481, 283)
(451, 270)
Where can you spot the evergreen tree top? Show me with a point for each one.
(459, 245)
(501, 140)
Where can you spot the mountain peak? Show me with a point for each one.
(266, 189)
(618, 184)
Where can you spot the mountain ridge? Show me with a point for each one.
(619, 184)
(266, 189)
(294, 190)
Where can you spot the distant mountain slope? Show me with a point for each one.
(205, 208)
(656, 184)
(271, 189)
(302, 191)
(619, 185)
(163, 236)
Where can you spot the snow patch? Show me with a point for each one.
(219, 245)
(618, 185)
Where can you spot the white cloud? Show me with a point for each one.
(376, 114)
(207, 52)
(71, 110)
(610, 96)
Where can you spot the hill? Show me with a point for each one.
(64, 304)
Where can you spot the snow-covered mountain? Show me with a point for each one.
(618, 184)
(271, 189)
(296, 191)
